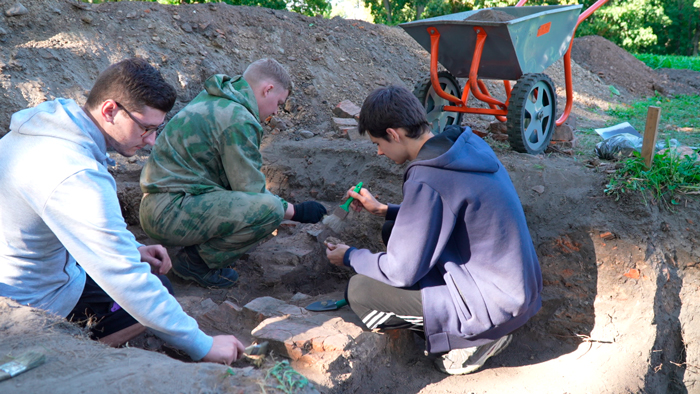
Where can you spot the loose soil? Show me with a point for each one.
(620, 277)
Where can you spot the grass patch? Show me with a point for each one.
(289, 381)
(680, 117)
(670, 176)
(668, 61)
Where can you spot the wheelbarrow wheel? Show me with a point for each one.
(531, 110)
(433, 103)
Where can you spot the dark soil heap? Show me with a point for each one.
(621, 69)
(490, 16)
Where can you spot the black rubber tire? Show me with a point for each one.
(433, 103)
(531, 114)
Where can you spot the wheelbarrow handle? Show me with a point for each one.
(584, 14)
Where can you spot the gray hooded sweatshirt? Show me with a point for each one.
(58, 204)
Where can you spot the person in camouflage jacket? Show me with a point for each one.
(203, 186)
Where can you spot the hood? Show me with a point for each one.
(235, 89)
(63, 119)
(457, 149)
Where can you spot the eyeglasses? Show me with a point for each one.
(147, 130)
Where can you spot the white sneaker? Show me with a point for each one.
(463, 361)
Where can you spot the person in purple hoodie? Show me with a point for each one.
(460, 267)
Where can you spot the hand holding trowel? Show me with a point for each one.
(336, 221)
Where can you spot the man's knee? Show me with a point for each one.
(357, 294)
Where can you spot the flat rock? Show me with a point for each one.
(266, 307)
(306, 134)
(344, 122)
(16, 10)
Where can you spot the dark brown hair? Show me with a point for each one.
(392, 107)
(134, 84)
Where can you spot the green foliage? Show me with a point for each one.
(680, 117)
(310, 7)
(630, 24)
(669, 177)
(647, 26)
(670, 61)
(290, 381)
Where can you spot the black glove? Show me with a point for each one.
(308, 212)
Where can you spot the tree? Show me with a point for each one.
(629, 24)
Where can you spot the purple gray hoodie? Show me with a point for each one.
(461, 234)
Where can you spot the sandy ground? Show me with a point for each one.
(617, 312)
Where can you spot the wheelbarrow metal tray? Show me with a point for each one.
(536, 38)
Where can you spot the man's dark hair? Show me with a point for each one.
(392, 107)
(134, 84)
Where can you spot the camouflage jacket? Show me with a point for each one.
(211, 144)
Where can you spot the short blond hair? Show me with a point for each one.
(267, 68)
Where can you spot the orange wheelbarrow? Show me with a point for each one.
(519, 50)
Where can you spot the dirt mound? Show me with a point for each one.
(491, 16)
(620, 68)
(615, 65)
(57, 50)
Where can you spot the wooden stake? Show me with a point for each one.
(650, 132)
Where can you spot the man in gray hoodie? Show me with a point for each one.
(64, 245)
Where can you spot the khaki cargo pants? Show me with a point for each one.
(222, 224)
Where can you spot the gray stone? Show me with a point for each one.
(353, 134)
(290, 105)
(315, 232)
(343, 124)
(2, 31)
(87, 19)
(306, 134)
(299, 297)
(539, 189)
(187, 27)
(208, 305)
(265, 307)
(16, 10)
(278, 123)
